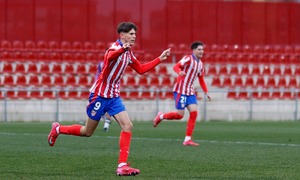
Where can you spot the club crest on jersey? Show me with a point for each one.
(93, 113)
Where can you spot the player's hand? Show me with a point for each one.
(165, 54)
(126, 46)
(208, 97)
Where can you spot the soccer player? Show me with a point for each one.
(104, 95)
(188, 68)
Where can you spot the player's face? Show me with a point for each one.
(198, 52)
(129, 37)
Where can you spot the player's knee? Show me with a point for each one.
(127, 127)
(88, 133)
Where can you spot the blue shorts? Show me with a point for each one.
(184, 100)
(98, 106)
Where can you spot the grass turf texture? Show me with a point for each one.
(235, 150)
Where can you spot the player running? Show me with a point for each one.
(105, 95)
(188, 68)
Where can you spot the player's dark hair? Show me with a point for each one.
(196, 44)
(126, 27)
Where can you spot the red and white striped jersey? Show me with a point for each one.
(116, 59)
(108, 83)
(193, 68)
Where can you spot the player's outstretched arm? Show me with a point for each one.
(143, 68)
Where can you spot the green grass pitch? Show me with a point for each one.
(228, 150)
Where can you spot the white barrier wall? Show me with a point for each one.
(146, 110)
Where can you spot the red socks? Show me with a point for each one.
(125, 138)
(70, 130)
(191, 123)
(172, 115)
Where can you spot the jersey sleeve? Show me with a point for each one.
(143, 68)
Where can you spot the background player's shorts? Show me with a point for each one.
(98, 106)
(184, 100)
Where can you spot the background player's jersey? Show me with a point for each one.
(107, 84)
(193, 68)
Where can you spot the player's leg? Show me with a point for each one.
(192, 108)
(118, 111)
(94, 112)
(107, 122)
(174, 115)
(75, 130)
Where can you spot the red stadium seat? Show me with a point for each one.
(63, 94)
(249, 81)
(57, 69)
(293, 82)
(260, 82)
(147, 95)
(276, 95)
(162, 70)
(93, 68)
(45, 69)
(154, 81)
(212, 70)
(54, 46)
(6, 45)
(255, 70)
(124, 95)
(271, 82)
(58, 81)
(255, 95)
(81, 69)
(83, 81)
(288, 95)
(131, 81)
(84, 95)
(32, 68)
(35, 94)
(77, 46)
(71, 81)
(223, 70)
(7, 68)
(42, 46)
(34, 80)
(266, 70)
(75, 95)
(100, 46)
(8, 80)
(18, 45)
(234, 70)
(169, 95)
(227, 81)
(166, 81)
(216, 81)
(11, 94)
(297, 71)
(29, 46)
(242, 95)
(288, 70)
(135, 95)
(79, 57)
(143, 81)
(48, 94)
(46, 80)
(69, 69)
(238, 81)
(91, 57)
(245, 69)
(23, 94)
(265, 95)
(277, 70)
(21, 80)
(65, 46)
(232, 95)
(88, 46)
(282, 82)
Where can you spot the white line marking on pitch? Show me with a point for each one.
(162, 139)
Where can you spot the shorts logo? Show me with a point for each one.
(93, 113)
(182, 105)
